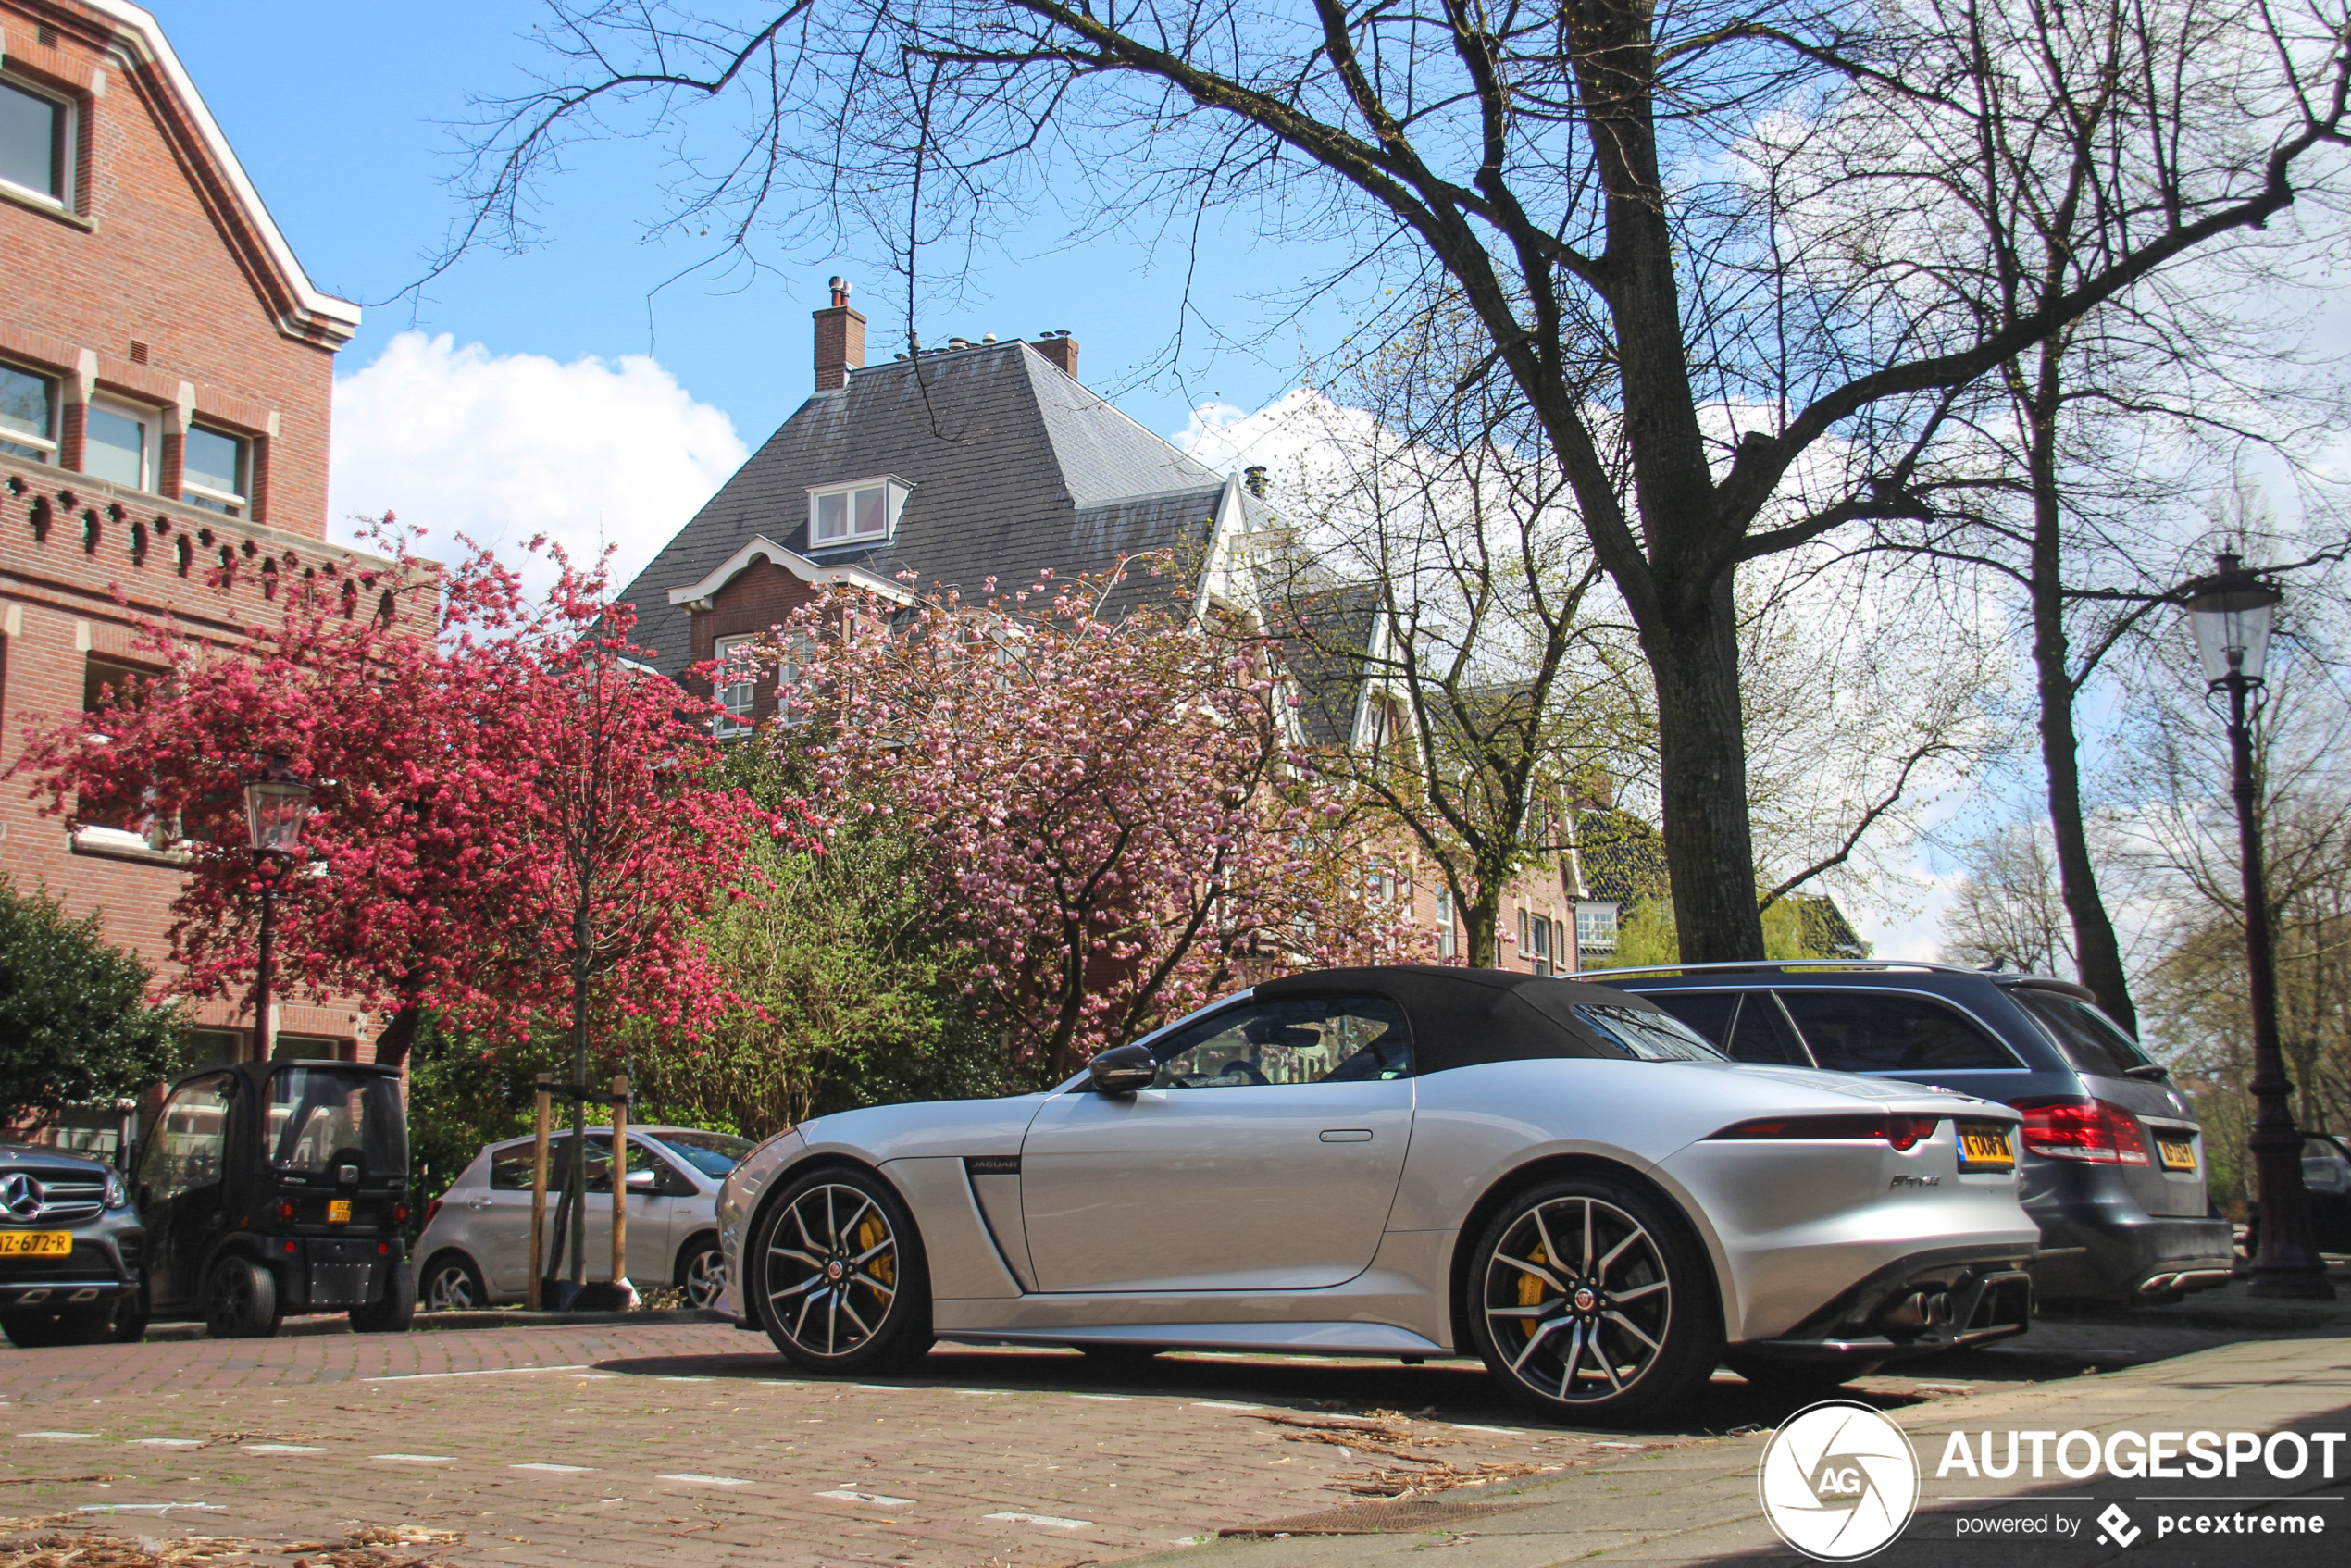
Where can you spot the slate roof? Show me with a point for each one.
(1623, 857)
(1016, 468)
(1325, 634)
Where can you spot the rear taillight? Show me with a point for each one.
(399, 1214)
(1902, 1132)
(285, 1210)
(2088, 1131)
(432, 1208)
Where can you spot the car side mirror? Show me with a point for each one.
(642, 1181)
(1122, 1069)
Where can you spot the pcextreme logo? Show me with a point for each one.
(1839, 1481)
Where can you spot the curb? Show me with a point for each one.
(339, 1323)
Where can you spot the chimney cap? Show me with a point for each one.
(839, 287)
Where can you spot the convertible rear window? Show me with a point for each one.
(1649, 1036)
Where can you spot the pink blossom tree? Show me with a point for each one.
(1110, 806)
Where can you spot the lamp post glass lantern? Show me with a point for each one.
(2231, 611)
(276, 805)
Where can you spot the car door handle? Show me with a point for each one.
(1347, 1135)
(482, 1203)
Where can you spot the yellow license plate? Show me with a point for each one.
(338, 1211)
(38, 1243)
(2179, 1154)
(1984, 1147)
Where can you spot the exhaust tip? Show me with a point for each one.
(1919, 1310)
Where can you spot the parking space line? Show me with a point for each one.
(557, 1469)
(872, 1500)
(694, 1480)
(279, 1447)
(58, 1436)
(168, 1442)
(1045, 1519)
(417, 1458)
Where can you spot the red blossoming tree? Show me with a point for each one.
(1109, 806)
(514, 817)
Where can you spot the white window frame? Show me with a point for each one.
(1596, 923)
(69, 149)
(894, 493)
(48, 443)
(1449, 938)
(150, 424)
(235, 503)
(733, 720)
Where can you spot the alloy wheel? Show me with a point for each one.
(1577, 1300)
(831, 1271)
(705, 1279)
(451, 1289)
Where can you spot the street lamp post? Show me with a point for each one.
(2230, 611)
(276, 805)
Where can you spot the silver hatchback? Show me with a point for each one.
(476, 1244)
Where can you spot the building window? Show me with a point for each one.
(1449, 940)
(213, 471)
(792, 707)
(117, 444)
(28, 415)
(1596, 927)
(737, 680)
(1542, 944)
(36, 131)
(125, 820)
(856, 514)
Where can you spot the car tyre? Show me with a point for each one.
(240, 1300)
(452, 1284)
(396, 1312)
(1619, 1320)
(837, 1276)
(702, 1273)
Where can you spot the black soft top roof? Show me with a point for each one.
(1461, 1017)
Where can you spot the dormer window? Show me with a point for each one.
(862, 512)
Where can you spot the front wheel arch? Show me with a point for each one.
(1536, 1172)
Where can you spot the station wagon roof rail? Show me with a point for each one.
(2001, 976)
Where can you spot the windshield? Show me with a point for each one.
(712, 1154)
(318, 1116)
(1651, 1037)
(2092, 1042)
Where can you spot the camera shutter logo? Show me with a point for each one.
(22, 1196)
(1839, 1481)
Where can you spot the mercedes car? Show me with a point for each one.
(1407, 1162)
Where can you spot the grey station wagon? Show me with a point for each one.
(2112, 1166)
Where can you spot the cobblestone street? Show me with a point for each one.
(692, 1443)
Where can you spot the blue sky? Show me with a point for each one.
(341, 114)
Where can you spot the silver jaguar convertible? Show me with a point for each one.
(1556, 1176)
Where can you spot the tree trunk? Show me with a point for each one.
(2097, 955)
(1482, 927)
(1710, 852)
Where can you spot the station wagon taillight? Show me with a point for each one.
(2093, 1131)
(1902, 1132)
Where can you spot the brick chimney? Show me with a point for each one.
(1061, 350)
(840, 340)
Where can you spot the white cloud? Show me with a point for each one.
(503, 447)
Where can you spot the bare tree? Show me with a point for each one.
(1619, 193)
(2008, 912)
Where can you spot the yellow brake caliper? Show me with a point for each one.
(884, 1265)
(1530, 1291)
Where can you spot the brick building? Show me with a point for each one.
(993, 459)
(166, 368)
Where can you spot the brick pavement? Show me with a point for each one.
(696, 1444)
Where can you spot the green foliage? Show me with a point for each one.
(75, 1022)
(1645, 937)
(845, 981)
